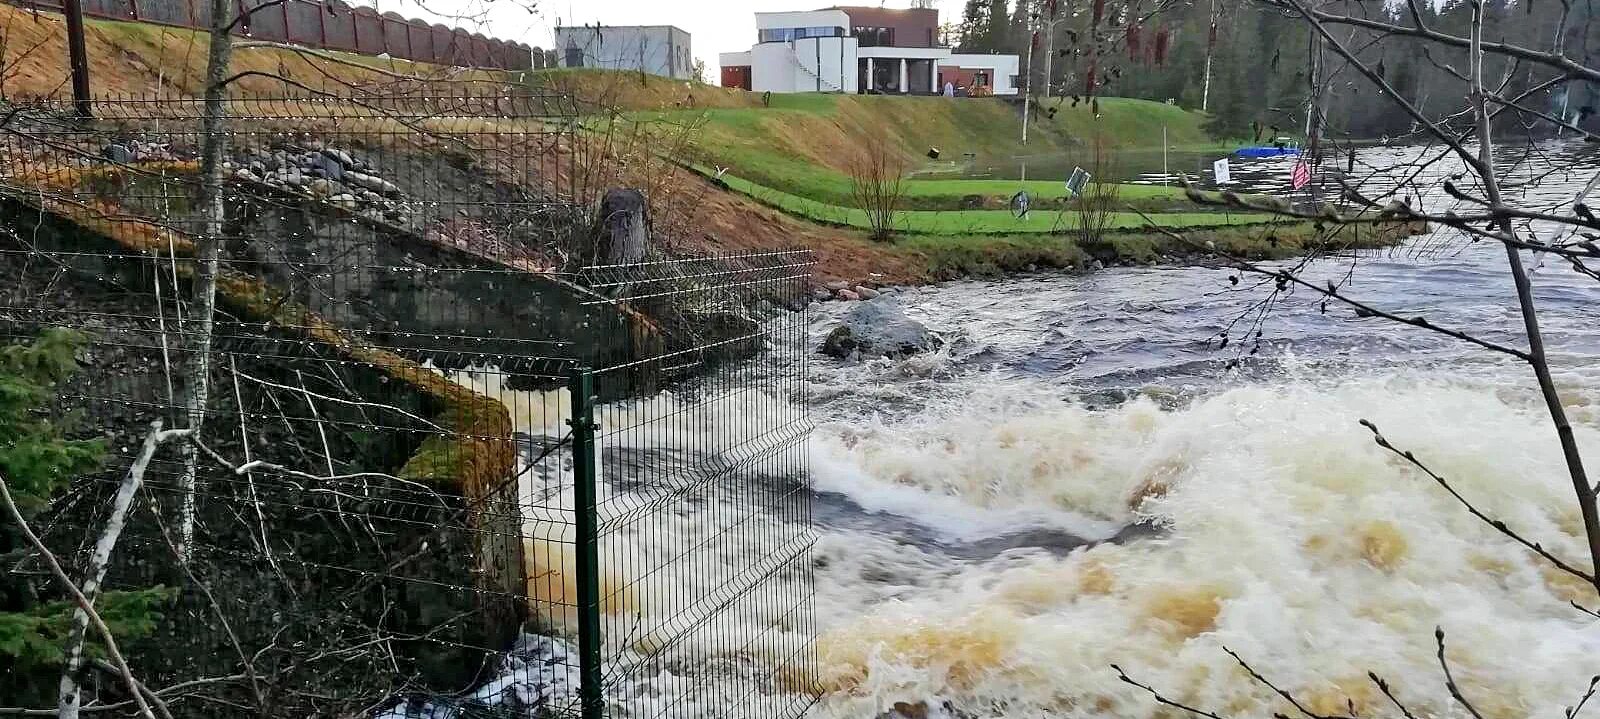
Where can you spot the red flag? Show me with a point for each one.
(1301, 175)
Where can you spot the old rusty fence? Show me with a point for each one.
(444, 462)
(324, 24)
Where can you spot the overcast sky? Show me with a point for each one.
(715, 26)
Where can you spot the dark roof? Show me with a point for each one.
(621, 27)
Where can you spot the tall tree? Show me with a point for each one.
(974, 26)
(999, 26)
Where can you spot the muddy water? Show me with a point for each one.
(967, 497)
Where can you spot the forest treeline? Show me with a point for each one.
(1261, 58)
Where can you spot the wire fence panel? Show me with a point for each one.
(382, 502)
(704, 540)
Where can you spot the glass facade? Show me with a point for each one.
(790, 34)
(874, 36)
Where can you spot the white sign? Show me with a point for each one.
(1077, 181)
(1220, 169)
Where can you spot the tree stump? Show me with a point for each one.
(623, 226)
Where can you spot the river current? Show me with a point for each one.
(1083, 476)
(1077, 406)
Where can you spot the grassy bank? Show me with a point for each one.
(805, 144)
(992, 256)
(959, 223)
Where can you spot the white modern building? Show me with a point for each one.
(655, 49)
(862, 49)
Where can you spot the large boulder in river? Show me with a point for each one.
(879, 328)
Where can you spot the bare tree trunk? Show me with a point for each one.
(208, 251)
(1530, 315)
(67, 706)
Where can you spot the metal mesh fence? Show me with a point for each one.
(392, 502)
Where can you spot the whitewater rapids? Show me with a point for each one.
(1280, 530)
(1286, 535)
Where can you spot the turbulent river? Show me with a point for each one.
(1075, 406)
(1081, 477)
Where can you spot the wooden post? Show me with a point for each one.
(78, 57)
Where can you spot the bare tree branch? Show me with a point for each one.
(1162, 699)
(1588, 694)
(77, 596)
(1332, 293)
(1498, 525)
(1280, 692)
(1449, 678)
(1525, 301)
(1383, 686)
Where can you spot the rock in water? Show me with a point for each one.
(867, 293)
(116, 153)
(879, 328)
(537, 676)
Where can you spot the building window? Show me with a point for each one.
(981, 79)
(790, 34)
(574, 56)
(874, 36)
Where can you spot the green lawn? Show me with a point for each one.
(803, 143)
(975, 222)
(826, 186)
(1045, 189)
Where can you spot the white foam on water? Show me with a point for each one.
(1289, 536)
(1286, 535)
(681, 539)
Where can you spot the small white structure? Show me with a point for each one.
(655, 49)
(1000, 73)
(862, 49)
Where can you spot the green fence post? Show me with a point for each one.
(581, 384)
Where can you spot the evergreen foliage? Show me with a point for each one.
(1261, 59)
(38, 463)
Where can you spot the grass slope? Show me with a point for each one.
(805, 144)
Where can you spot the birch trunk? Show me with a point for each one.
(208, 251)
(67, 707)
